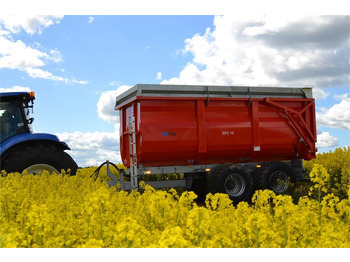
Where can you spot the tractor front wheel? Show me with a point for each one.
(36, 158)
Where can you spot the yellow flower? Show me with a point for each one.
(82, 211)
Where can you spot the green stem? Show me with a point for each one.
(198, 228)
(6, 209)
(256, 234)
(285, 227)
(245, 233)
(101, 222)
(319, 211)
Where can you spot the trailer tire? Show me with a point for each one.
(259, 175)
(199, 187)
(212, 178)
(235, 182)
(38, 157)
(278, 177)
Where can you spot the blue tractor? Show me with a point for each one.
(21, 149)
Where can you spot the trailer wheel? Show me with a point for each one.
(237, 183)
(36, 158)
(212, 178)
(199, 187)
(278, 178)
(259, 175)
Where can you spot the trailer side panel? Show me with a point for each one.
(218, 128)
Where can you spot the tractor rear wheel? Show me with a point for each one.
(36, 158)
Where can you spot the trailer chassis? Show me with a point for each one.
(190, 173)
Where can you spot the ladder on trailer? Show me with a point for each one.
(133, 154)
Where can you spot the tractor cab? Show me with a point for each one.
(14, 113)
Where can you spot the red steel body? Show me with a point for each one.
(196, 130)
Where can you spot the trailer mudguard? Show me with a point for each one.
(31, 137)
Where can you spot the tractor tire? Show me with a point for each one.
(36, 158)
(278, 177)
(234, 181)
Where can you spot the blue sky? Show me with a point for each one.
(78, 64)
(108, 52)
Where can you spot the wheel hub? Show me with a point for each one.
(35, 169)
(235, 185)
(279, 182)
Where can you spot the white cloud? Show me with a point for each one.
(269, 50)
(81, 82)
(29, 59)
(146, 48)
(159, 75)
(105, 106)
(39, 73)
(16, 55)
(92, 148)
(337, 116)
(106, 103)
(15, 89)
(30, 24)
(318, 93)
(326, 140)
(115, 83)
(91, 19)
(56, 56)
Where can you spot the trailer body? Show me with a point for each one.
(173, 127)
(219, 125)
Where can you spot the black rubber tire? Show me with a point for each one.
(212, 178)
(259, 178)
(19, 159)
(234, 181)
(278, 177)
(199, 186)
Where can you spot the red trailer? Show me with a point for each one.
(248, 137)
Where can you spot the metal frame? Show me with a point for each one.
(175, 169)
(189, 174)
(185, 182)
(309, 137)
(126, 185)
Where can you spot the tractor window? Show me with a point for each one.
(11, 119)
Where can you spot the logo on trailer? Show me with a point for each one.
(228, 133)
(166, 133)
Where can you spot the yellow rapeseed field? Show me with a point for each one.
(79, 211)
